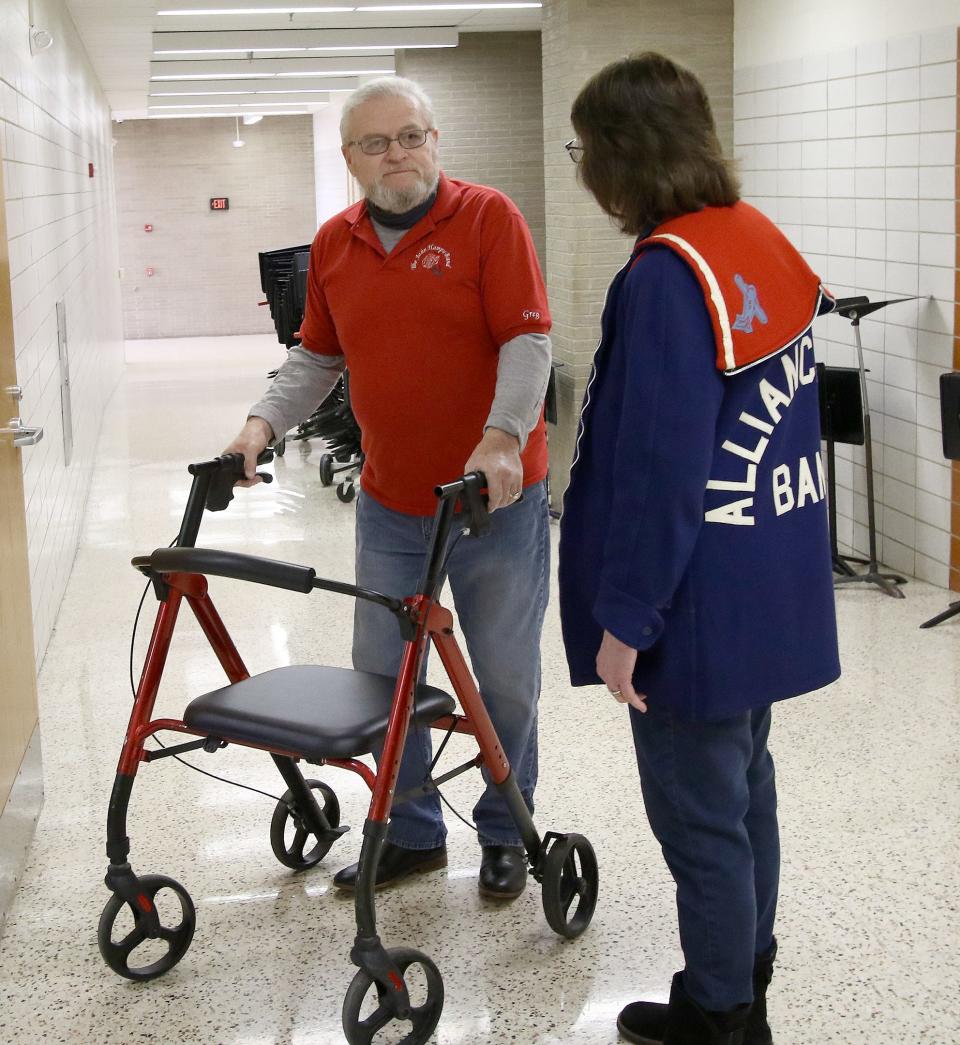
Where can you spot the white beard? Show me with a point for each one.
(398, 201)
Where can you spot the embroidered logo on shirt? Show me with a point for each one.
(432, 258)
(530, 314)
(751, 306)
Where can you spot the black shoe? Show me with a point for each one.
(503, 871)
(682, 1022)
(395, 865)
(758, 1030)
(643, 1022)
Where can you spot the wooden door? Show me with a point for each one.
(18, 686)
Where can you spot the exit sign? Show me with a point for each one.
(220, 203)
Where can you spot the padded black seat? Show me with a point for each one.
(315, 711)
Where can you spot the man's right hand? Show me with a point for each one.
(255, 436)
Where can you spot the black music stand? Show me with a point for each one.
(841, 421)
(950, 425)
(855, 309)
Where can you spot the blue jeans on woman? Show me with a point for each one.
(500, 586)
(710, 794)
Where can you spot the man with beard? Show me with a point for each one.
(430, 292)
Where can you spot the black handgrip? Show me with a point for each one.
(215, 563)
(225, 471)
(468, 489)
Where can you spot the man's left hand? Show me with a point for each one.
(497, 455)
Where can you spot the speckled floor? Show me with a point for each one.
(868, 775)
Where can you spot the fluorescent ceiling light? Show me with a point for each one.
(202, 115)
(192, 94)
(289, 10)
(346, 72)
(257, 11)
(200, 75)
(285, 41)
(234, 50)
(231, 94)
(216, 76)
(218, 105)
(277, 50)
(446, 7)
(381, 47)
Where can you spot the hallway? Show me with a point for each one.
(868, 775)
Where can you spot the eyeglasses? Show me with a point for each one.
(574, 150)
(377, 144)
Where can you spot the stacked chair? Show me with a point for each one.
(283, 279)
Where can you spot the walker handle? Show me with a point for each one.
(224, 471)
(468, 488)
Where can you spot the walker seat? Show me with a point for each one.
(310, 711)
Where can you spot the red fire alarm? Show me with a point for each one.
(89, 170)
(148, 228)
(149, 271)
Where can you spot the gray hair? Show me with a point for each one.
(386, 87)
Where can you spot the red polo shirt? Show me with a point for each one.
(421, 329)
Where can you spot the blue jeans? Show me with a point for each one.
(711, 799)
(500, 587)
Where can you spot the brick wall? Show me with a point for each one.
(206, 280)
(488, 101)
(61, 228)
(583, 250)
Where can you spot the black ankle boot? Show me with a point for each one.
(503, 871)
(688, 1024)
(394, 865)
(682, 1022)
(758, 1030)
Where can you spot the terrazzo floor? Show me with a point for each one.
(868, 776)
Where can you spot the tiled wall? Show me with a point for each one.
(852, 153)
(206, 280)
(488, 102)
(583, 248)
(62, 239)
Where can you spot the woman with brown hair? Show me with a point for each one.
(695, 576)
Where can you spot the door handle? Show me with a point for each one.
(22, 435)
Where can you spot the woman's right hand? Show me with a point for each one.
(615, 663)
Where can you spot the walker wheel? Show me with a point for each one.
(291, 854)
(326, 469)
(118, 949)
(364, 1018)
(346, 492)
(570, 883)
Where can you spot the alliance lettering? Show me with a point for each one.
(775, 400)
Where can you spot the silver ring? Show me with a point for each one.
(515, 495)
(615, 693)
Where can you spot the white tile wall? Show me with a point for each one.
(853, 153)
(62, 240)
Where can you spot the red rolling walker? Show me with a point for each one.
(324, 716)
